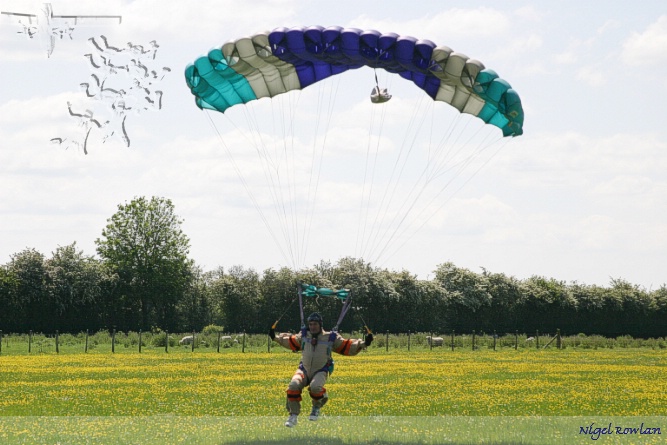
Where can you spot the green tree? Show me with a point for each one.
(506, 298)
(12, 315)
(636, 305)
(279, 294)
(239, 299)
(548, 304)
(74, 287)
(658, 323)
(30, 291)
(466, 295)
(194, 309)
(144, 244)
(421, 305)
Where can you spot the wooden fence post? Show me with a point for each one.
(85, 348)
(57, 348)
(219, 334)
(537, 339)
(166, 341)
(113, 341)
(243, 345)
(139, 341)
(193, 341)
(494, 340)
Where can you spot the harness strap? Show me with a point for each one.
(343, 311)
(326, 368)
(300, 290)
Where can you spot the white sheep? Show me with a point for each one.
(187, 340)
(436, 341)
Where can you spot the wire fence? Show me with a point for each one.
(119, 342)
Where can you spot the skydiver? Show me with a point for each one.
(316, 363)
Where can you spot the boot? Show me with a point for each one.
(291, 421)
(315, 413)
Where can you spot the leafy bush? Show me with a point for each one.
(160, 340)
(212, 329)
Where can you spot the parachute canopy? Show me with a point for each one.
(271, 63)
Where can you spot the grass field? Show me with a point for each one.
(440, 396)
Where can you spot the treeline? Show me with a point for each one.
(72, 292)
(142, 279)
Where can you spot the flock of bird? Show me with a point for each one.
(124, 79)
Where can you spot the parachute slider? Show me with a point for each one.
(313, 291)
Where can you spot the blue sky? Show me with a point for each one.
(581, 196)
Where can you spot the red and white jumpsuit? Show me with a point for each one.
(316, 364)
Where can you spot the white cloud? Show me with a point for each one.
(530, 13)
(592, 75)
(520, 48)
(215, 21)
(444, 26)
(648, 48)
(566, 58)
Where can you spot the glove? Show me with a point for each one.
(272, 333)
(369, 339)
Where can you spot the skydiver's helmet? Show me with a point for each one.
(315, 317)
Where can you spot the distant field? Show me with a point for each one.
(182, 389)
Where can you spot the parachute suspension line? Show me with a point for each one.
(358, 312)
(398, 224)
(292, 171)
(374, 170)
(446, 201)
(379, 209)
(245, 186)
(271, 170)
(366, 199)
(425, 218)
(333, 94)
(284, 312)
(280, 207)
(452, 144)
(443, 148)
(268, 163)
(343, 311)
(360, 220)
(394, 180)
(482, 146)
(283, 151)
(464, 164)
